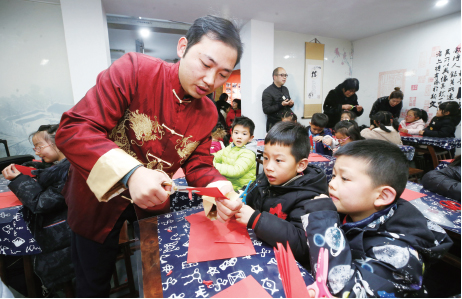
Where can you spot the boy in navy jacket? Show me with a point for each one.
(316, 132)
(379, 245)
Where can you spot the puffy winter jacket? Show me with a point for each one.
(237, 164)
(412, 128)
(445, 181)
(278, 209)
(380, 134)
(384, 255)
(441, 127)
(45, 206)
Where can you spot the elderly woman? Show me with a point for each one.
(342, 98)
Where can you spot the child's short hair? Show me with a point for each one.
(295, 135)
(245, 122)
(386, 163)
(48, 132)
(351, 114)
(420, 113)
(349, 128)
(320, 120)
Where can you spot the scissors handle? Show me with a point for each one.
(455, 206)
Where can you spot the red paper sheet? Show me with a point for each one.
(246, 288)
(25, 170)
(178, 174)
(411, 195)
(261, 142)
(8, 200)
(292, 280)
(208, 191)
(212, 240)
(313, 157)
(447, 160)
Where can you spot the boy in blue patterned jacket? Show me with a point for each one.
(379, 245)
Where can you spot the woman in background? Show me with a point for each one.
(393, 104)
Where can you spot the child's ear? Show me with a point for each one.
(302, 165)
(251, 138)
(446, 113)
(386, 196)
(181, 47)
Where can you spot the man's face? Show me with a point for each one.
(206, 66)
(280, 78)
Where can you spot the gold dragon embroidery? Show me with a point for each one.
(185, 147)
(144, 128)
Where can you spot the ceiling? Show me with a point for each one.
(347, 19)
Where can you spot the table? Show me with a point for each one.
(431, 142)
(162, 251)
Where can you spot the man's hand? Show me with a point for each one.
(421, 132)
(346, 107)
(359, 108)
(244, 214)
(224, 186)
(403, 130)
(10, 172)
(145, 186)
(291, 102)
(286, 102)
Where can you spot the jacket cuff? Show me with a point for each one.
(254, 219)
(320, 204)
(105, 176)
(125, 179)
(16, 177)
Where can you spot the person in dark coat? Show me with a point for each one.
(342, 98)
(444, 181)
(46, 208)
(445, 122)
(378, 244)
(393, 104)
(276, 99)
(274, 202)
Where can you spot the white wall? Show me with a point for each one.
(256, 69)
(35, 85)
(87, 42)
(408, 48)
(289, 53)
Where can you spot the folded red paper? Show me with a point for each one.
(212, 240)
(25, 170)
(8, 200)
(292, 280)
(246, 288)
(411, 195)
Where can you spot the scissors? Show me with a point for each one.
(320, 285)
(455, 206)
(207, 191)
(244, 194)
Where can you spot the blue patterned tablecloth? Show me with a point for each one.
(186, 280)
(15, 236)
(446, 143)
(443, 164)
(431, 208)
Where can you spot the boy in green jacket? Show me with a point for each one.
(237, 161)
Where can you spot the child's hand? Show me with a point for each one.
(318, 138)
(372, 127)
(227, 208)
(10, 172)
(421, 132)
(327, 141)
(244, 214)
(403, 130)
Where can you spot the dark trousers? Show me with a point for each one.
(94, 262)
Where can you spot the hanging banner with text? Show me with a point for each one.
(314, 68)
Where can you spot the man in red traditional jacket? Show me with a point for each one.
(143, 120)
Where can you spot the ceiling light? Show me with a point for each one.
(144, 32)
(441, 3)
(44, 61)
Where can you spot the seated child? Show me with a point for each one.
(274, 202)
(218, 133)
(379, 245)
(445, 122)
(316, 132)
(346, 131)
(44, 203)
(444, 181)
(236, 162)
(347, 115)
(383, 128)
(414, 122)
(289, 116)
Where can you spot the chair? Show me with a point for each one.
(436, 155)
(5, 143)
(125, 253)
(415, 174)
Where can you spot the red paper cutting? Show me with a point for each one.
(208, 191)
(212, 240)
(25, 170)
(8, 200)
(411, 195)
(292, 280)
(246, 288)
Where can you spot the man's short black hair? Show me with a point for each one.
(386, 163)
(215, 28)
(287, 133)
(245, 122)
(320, 120)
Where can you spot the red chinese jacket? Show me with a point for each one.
(135, 114)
